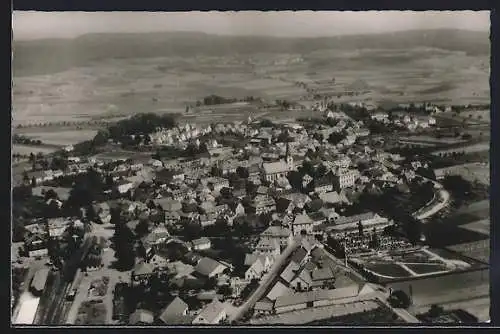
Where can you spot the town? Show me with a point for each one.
(332, 218)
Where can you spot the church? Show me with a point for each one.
(273, 171)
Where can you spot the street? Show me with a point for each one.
(266, 282)
(439, 202)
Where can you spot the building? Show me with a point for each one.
(141, 273)
(39, 281)
(213, 314)
(201, 243)
(264, 306)
(315, 298)
(124, 186)
(175, 311)
(263, 204)
(209, 268)
(349, 225)
(301, 223)
(255, 270)
(345, 179)
(273, 171)
(141, 317)
(36, 245)
(268, 247)
(279, 233)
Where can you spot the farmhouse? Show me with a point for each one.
(301, 223)
(281, 234)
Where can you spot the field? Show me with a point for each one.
(62, 138)
(426, 268)
(415, 263)
(121, 86)
(26, 149)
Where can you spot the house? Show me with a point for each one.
(213, 314)
(345, 179)
(36, 245)
(263, 204)
(141, 317)
(175, 311)
(279, 289)
(300, 255)
(288, 274)
(57, 226)
(255, 271)
(264, 306)
(266, 260)
(333, 198)
(268, 247)
(315, 298)
(302, 280)
(201, 243)
(172, 218)
(322, 276)
(323, 185)
(168, 204)
(301, 223)
(279, 233)
(209, 267)
(141, 273)
(299, 200)
(124, 186)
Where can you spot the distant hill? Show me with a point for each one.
(48, 56)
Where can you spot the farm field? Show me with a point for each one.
(62, 138)
(126, 86)
(27, 149)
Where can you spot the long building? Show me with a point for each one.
(39, 281)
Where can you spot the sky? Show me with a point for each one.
(28, 25)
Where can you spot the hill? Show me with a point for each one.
(54, 55)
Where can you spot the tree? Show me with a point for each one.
(435, 311)
(335, 138)
(225, 290)
(360, 229)
(123, 241)
(399, 299)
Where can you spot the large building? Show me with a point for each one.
(273, 171)
(345, 179)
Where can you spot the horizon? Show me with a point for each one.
(30, 25)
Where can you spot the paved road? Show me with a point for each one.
(440, 201)
(265, 282)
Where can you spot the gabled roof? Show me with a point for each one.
(275, 167)
(207, 265)
(315, 295)
(289, 272)
(211, 311)
(302, 219)
(143, 268)
(322, 274)
(173, 311)
(201, 241)
(276, 231)
(299, 255)
(279, 289)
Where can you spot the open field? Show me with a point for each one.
(62, 138)
(105, 82)
(27, 149)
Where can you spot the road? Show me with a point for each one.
(265, 282)
(439, 202)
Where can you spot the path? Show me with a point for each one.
(265, 282)
(439, 202)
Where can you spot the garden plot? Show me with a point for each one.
(91, 312)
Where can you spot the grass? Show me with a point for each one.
(388, 269)
(62, 138)
(26, 150)
(426, 268)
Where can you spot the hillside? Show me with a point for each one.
(55, 55)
